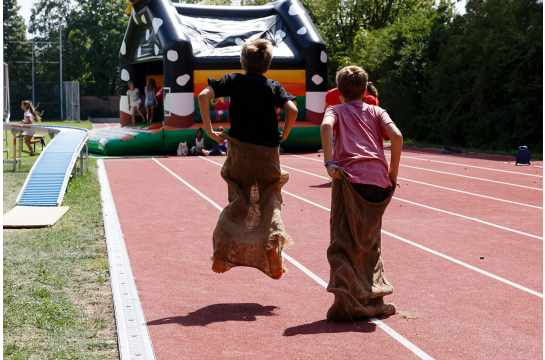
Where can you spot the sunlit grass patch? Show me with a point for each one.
(57, 295)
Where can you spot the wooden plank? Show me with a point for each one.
(33, 216)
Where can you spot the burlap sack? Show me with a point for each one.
(354, 254)
(251, 223)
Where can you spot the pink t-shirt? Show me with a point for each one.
(358, 142)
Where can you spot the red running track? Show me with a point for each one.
(105, 125)
(243, 314)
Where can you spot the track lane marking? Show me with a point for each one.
(441, 172)
(423, 248)
(403, 341)
(472, 166)
(432, 208)
(437, 186)
(377, 322)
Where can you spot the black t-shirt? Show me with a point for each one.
(252, 108)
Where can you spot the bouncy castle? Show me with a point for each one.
(180, 46)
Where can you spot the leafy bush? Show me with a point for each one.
(473, 80)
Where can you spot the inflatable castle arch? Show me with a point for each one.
(181, 46)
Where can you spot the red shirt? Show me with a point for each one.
(332, 97)
(371, 100)
(160, 92)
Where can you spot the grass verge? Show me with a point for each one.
(57, 294)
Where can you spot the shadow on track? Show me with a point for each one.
(326, 327)
(322, 186)
(219, 313)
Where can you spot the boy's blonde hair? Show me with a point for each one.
(352, 82)
(256, 55)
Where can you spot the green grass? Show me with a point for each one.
(409, 142)
(57, 295)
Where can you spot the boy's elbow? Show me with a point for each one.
(398, 137)
(325, 126)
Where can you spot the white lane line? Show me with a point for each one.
(108, 125)
(421, 354)
(377, 322)
(441, 172)
(472, 166)
(471, 218)
(132, 329)
(466, 265)
(437, 186)
(189, 185)
(435, 209)
(424, 248)
(470, 193)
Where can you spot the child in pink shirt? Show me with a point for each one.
(363, 186)
(358, 149)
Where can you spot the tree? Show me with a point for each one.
(397, 58)
(339, 21)
(15, 32)
(487, 85)
(94, 35)
(47, 16)
(16, 50)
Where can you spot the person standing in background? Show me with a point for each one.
(371, 97)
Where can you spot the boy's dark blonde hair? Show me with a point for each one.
(256, 55)
(352, 82)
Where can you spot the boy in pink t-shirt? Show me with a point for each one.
(362, 189)
(359, 127)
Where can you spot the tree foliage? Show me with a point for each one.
(13, 34)
(339, 22)
(473, 80)
(94, 34)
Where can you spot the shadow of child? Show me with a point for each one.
(219, 313)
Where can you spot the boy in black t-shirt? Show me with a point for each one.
(253, 121)
(253, 99)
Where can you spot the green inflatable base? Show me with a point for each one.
(133, 140)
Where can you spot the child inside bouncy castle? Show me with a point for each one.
(200, 143)
(134, 97)
(218, 148)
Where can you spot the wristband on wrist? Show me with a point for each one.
(329, 163)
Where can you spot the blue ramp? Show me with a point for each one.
(47, 181)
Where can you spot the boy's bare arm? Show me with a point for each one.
(326, 133)
(291, 116)
(397, 143)
(204, 105)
